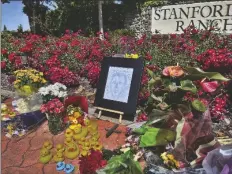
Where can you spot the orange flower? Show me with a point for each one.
(173, 71)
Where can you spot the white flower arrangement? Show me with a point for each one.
(56, 90)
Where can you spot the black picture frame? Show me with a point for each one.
(129, 108)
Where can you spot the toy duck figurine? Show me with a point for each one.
(59, 157)
(47, 145)
(98, 147)
(77, 129)
(45, 155)
(93, 124)
(87, 144)
(72, 151)
(68, 141)
(4, 108)
(95, 139)
(84, 152)
(80, 134)
(60, 148)
(10, 129)
(81, 141)
(77, 115)
(73, 127)
(68, 133)
(87, 122)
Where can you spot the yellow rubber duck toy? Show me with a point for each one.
(71, 152)
(84, 152)
(68, 133)
(98, 147)
(82, 134)
(60, 148)
(68, 141)
(10, 129)
(95, 139)
(73, 127)
(58, 157)
(87, 122)
(81, 141)
(77, 114)
(47, 145)
(45, 155)
(77, 129)
(92, 125)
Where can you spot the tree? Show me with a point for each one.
(4, 28)
(5, 1)
(20, 28)
(36, 12)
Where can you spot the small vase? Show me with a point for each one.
(55, 123)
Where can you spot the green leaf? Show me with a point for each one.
(151, 83)
(166, 82)
(156, 137)
(198, 74)
(199, 106)
(156, 81)
(151, 74)
(122, 164)
(140, 130)
(159, 99)
(187, 85)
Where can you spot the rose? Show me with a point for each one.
(3, 64)
(173, 71)
(57, 110)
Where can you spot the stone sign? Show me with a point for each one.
(175, 18)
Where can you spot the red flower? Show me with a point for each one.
(4, 51)
(67, 31)
(3, 64)
(11, 57)
(91, 163)
(148, 57)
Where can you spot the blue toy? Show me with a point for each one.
(60, 166)
(69, 168)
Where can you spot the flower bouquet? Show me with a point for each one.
(50, 92)
(76, 107)
(179, 112)
(28, 81)
(54, 109)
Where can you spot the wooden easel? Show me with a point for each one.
(110, 110)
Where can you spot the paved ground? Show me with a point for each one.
(21, 156)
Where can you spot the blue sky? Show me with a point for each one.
(13, 16)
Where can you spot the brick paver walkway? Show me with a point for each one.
(22, 156)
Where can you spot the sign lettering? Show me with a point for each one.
(175, 18)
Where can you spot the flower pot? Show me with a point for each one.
(26, 90)
(55, 123)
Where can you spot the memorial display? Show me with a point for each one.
(119, 84)
(172, 95)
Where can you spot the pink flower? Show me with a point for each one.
(57, 110)
(166, 71)
(209, 86)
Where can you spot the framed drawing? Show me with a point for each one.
(119, 85)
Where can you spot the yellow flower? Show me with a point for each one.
(171, 157)
(40, 73)
(44, 81)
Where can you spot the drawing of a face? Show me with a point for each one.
(117, 84)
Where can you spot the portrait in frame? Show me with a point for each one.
(119, 84)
